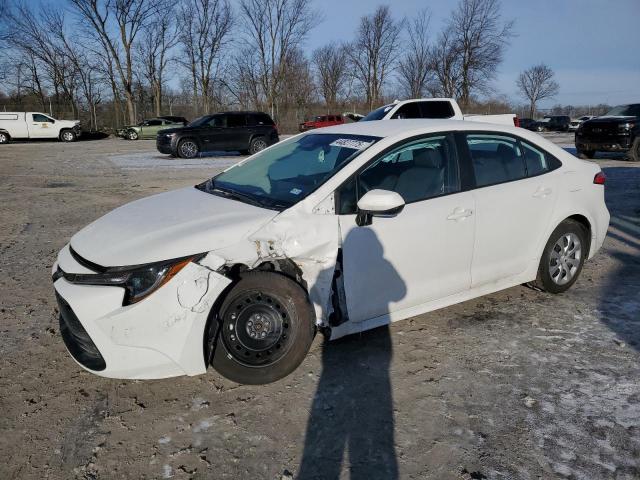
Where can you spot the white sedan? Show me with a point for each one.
(343, 229)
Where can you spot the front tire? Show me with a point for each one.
(188, 148)
(563, 257)
(68, 136)
(634, 153)
(132, 135)
(267, 326)
(586, 154)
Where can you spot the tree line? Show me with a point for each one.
(112, 62)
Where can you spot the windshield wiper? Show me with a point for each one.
(242, 197)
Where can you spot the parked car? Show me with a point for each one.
(30, 125)
(146, 129)
(246, 132)
(531, 124)
(438, 108)
(174, 119)
(321, 121)
(617, 131)
(556, 123)
(573, 126)
(330, 229)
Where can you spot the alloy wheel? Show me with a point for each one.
(565, 258)
(188, 149)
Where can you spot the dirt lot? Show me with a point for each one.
(518, 384)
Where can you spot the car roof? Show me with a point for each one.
(391, 128)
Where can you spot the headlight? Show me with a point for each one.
(139, 281)
(626, 126)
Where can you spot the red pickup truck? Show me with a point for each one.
(322, 121)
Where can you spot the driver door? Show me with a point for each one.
(422, 254)
(41, 126)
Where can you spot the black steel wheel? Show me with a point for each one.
(267, 325)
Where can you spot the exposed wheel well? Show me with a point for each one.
(286, 267)
(582, 220)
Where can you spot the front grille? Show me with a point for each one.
(600, 129)
(77, 339)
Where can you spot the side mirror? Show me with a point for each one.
(378, 203)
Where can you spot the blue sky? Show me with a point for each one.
(592, 45)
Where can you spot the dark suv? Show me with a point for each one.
(557, 123)
(245, 132)
(617, 131)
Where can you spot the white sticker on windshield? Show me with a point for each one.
(350, 143)
(295, 191)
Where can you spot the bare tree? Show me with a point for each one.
(535, 84)
(330, 64)
(116, 24)
(415, 70)
(373, 53)
(153, 52)
(273, 29)
(445, 62)
(481, 38)
(205, 26)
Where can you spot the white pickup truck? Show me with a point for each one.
(435, 108)
(27, 125)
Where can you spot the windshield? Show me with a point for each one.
(200, 121)
(284, 174)
(378, 113)
(625, 111)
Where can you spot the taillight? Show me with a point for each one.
(600, 178)
(516, 121)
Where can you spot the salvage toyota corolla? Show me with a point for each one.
(342, 229)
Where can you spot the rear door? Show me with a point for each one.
(237, 133)
(514, 196)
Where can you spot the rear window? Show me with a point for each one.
(259, 119)
(236, 121)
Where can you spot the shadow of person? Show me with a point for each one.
(351, 419)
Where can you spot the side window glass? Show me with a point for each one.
(408, 110)
(535, 160)
(436, 109)
(418, 170)
(40, 118)
(217, 121)
(154, 123)
(236, 121)
(495, 158)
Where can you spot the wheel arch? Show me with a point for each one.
(62, 130)
(282, 266)
(580, 218)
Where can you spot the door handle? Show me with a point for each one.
(460, 214)
(542, 192)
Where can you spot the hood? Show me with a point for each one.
(166, 226)
(610, 119)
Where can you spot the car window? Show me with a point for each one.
(495, 159)
(153, 123)
(417, 170)
(535, 160)
(408, 110)
(217, 121)
(378, 113)
(37, 117)
(436, 109)
(236, 121)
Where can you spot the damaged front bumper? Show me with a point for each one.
(158, 337)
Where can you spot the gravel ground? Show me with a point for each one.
(518, 384)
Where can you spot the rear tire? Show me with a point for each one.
(267, 326)
(586, 154)
(257, 144)
(68, 136)
(634, 153)
(563, 257)
(188, 148)
(4, 138)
